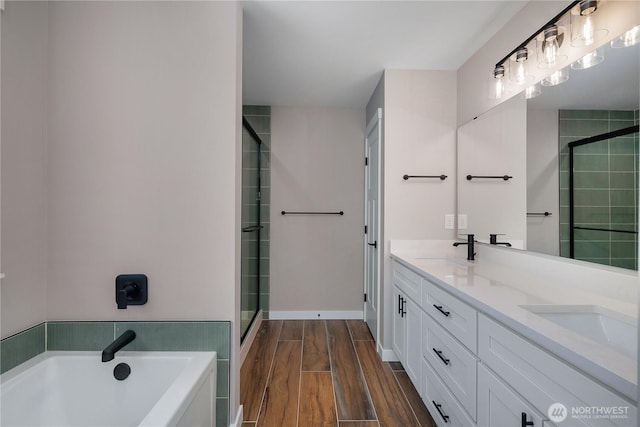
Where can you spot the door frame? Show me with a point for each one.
(376, 120)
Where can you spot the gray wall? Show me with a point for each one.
(317, 164)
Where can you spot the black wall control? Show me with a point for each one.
(131, 289)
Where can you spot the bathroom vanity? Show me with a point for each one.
(507, 339)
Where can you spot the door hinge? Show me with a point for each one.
(365, 229)
(365, 297)
(366, 161)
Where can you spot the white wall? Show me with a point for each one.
(23, 167)
(419, 116)
(543, 181)
(142, 158)
(317, 164)
(495, 144)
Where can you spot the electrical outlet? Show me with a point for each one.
(449, 221)
(462, 221)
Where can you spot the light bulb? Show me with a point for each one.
(518, 67)
(587, 32)
(498, 84)
(550, 46)
(629, 38)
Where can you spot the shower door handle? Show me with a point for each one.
(374, 244)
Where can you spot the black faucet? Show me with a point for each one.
(493, 239)
(124, 339)
(470, 247)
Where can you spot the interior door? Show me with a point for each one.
(372, 242)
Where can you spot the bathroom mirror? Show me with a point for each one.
(539, 207)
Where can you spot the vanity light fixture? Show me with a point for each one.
(549, 42)
(591, 59)
(584, 31)
(629, 38)
(556, 78)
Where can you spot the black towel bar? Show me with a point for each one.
(545, 213)
(442, 177)
(312, 213)
(504, 177)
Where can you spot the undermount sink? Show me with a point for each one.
(596, 323)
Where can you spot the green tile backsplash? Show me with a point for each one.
(605, 186)
(21, 347)
(150, 336)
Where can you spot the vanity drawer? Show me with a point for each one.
(449, 412)
(456, 366)
(459, 319)
(407, 281)
(542, 379)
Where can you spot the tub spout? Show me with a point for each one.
(124, 339)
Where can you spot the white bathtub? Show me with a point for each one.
(64, 388)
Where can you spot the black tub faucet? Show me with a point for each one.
(493, 239)
(470, 247)
(124, 339)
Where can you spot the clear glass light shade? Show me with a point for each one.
(556, 78)
(584, 25)
(629, 38)
(549, 42)
(518, 67)
(591, 59)
(532, 91)
(498, 83)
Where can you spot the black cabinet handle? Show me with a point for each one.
(404, 301)
(439, 353)
(399, 304)
(439, 308)
(374, 244)
(526, 423)
(438, 406)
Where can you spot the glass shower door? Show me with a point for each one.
(250, 252)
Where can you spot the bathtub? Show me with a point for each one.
(71, 388)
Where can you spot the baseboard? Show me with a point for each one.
(248, 339)
(307, 315)
(387, 355)
(238, 421)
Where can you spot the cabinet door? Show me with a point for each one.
(499, 406)
(413, 337)
(399, 328)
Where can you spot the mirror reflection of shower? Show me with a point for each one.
(251, 228)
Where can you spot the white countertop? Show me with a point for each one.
(500, 291)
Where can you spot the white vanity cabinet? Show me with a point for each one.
(407, 320)
(499, 405)
(472, 370)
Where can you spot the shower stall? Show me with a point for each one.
(603, 197)
(251, 227)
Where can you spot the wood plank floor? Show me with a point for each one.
(318, 373)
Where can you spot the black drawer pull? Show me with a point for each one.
(439, 308)
(439, 353)
(526, 423)
(438, 406)
(399, 304)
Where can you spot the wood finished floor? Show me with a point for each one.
(317, 373)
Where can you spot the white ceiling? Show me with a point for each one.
(332, 53)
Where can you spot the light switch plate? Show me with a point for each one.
(462, 221)
(449, 220)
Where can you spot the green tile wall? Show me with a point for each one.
(605, 186)
(21, 347)
(150, 336)
(260, 119)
